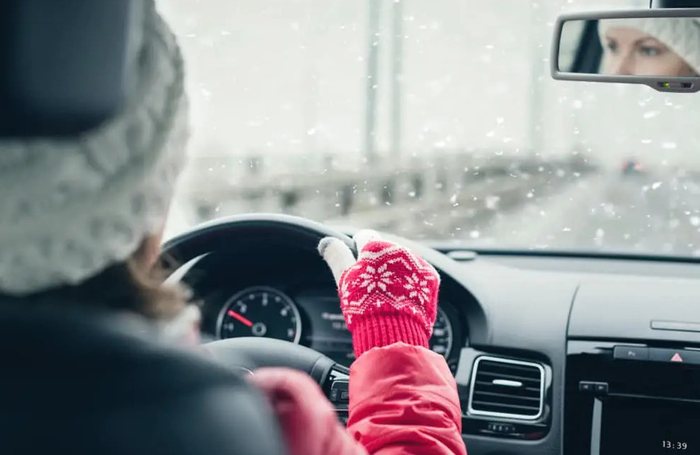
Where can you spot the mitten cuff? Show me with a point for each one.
(383, 330)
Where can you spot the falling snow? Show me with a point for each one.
(492, 202)
(279, 99)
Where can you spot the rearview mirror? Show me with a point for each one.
(657, 47)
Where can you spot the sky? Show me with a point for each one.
(288, 78)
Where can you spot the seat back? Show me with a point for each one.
(90, 382)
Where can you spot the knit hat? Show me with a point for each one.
(680, 34)
(71, 208)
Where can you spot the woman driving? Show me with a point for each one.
(82, 225)
(650, 46)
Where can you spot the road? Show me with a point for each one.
(643, 213)
(634, 214)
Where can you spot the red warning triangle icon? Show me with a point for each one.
(676, 358)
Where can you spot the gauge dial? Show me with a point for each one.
(260, 312)
(441, 341)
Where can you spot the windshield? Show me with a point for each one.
(433, 121)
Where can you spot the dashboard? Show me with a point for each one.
(551, 353)
(292, 297)
(312, 317)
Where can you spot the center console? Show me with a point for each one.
(631, 398)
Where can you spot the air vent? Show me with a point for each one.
(507, 388)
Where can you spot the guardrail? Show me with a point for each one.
(412, 197)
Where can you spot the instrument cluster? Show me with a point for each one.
(313, 318)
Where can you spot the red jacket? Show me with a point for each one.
(403, 400)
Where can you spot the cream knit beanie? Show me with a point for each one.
(71, 208)
(680, 34)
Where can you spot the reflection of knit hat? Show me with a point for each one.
(71, 208)
(680, 34)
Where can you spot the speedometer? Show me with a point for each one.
(441, 341)
(260, 312)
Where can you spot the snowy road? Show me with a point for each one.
(612, 213)
(636, 214)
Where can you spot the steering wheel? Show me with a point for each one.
(246, 354)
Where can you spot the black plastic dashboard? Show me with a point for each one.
(291, 296)
(581, 316)
(537, 326)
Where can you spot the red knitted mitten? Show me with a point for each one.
(388, 295)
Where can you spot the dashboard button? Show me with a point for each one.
(586, 386)
(501, 427)
(631, 353)
(665, 355)
(339, 391)
(674, 356)
(593, 387)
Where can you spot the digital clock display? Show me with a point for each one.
(674, 445)
(650, 427)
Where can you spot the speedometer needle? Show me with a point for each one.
(245, 321)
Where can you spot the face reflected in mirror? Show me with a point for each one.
(634, 52)
(637, 46)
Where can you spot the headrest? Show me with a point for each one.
(66, 66)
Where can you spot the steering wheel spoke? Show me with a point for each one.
(244, 355)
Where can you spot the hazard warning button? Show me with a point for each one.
(675, 356)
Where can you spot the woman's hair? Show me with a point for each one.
(130, 285)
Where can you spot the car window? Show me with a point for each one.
(431, 120)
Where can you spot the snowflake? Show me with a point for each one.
(376, 278)
(417, 287)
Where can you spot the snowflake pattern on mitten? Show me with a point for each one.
(390, 294)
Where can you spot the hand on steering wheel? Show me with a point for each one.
(388, 295)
